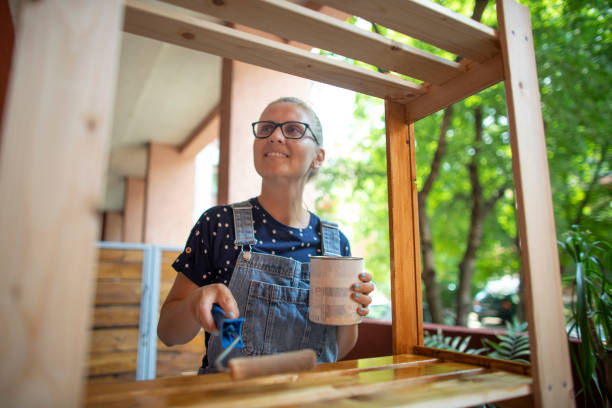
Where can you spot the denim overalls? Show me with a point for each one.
(272, 296)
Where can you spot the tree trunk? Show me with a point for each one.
(479, 211)
(432, 289)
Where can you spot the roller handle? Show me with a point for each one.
(229, 329)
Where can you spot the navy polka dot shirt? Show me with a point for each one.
(210, 253)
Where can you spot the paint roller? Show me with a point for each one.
(230, 331)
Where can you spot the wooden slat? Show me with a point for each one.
(118, 293)
(540, 260)
(327, 33)
(482, 361)
(56, 128)
(196, 345)
(120, 255)
(476, 78)
(428, 22)
(177, 28)
(167, 271)
(115, 270)
(114, 340)
(112, 363)
(310, 387)
(116, 316)
(404, 231)
(172, 364)
(112, 378)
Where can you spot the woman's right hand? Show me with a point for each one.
(201, 302)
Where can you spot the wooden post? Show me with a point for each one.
(55, 138)
(403, 231)
(549, 350)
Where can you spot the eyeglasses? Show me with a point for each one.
(291, 130)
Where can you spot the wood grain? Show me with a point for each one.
(476, 78)
(429, 22)
(55, 135)
(540, 260)
(116, 316)
(416, 383)
(403, 231)
(176, 28)
(327, 33)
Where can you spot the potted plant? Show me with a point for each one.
(590, 314)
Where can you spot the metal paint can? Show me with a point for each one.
(331, 278)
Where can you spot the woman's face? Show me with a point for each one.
(278, 158)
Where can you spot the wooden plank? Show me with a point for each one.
(403, 231)
(111, 378)
(196, 345)
(204, 133)
(120, 255)
(172, 363)
(327, 33)
(292, 389)
(482, 361)
(464, 391)
(544, 307)
(116, 270)
(114, 340)
(177, 28)
(101, 392)
(116, 316)
(476, 78)
(112, 363)
(118, 293)
(428, 22)
(55, 136)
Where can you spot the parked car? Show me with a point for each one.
(499, 299)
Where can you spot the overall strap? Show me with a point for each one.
(330, 234)
(243, 223)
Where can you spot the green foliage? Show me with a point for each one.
(572, 42)
(590, 310)
(457, 343)
(513, 345)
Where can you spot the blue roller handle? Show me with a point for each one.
(229, 329)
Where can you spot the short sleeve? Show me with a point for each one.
(195, 258)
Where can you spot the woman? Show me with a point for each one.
(252, 258)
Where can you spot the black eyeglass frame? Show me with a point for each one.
(306, 127)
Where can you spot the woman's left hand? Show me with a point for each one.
(361, 293)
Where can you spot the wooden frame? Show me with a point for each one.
(59, 103)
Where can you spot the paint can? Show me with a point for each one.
(331, 278)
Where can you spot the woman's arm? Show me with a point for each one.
(188, 308)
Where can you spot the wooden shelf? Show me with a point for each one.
(402, 380)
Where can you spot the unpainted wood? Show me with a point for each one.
(119, 270)
(476, 78)
(55, 135)
(429, 22)
(553, 386)
(118, 293)
(330, 34)
(403, 231)
(112, 363)
(176, 28)
(120, 255)
(116, 316)
(114, 340)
